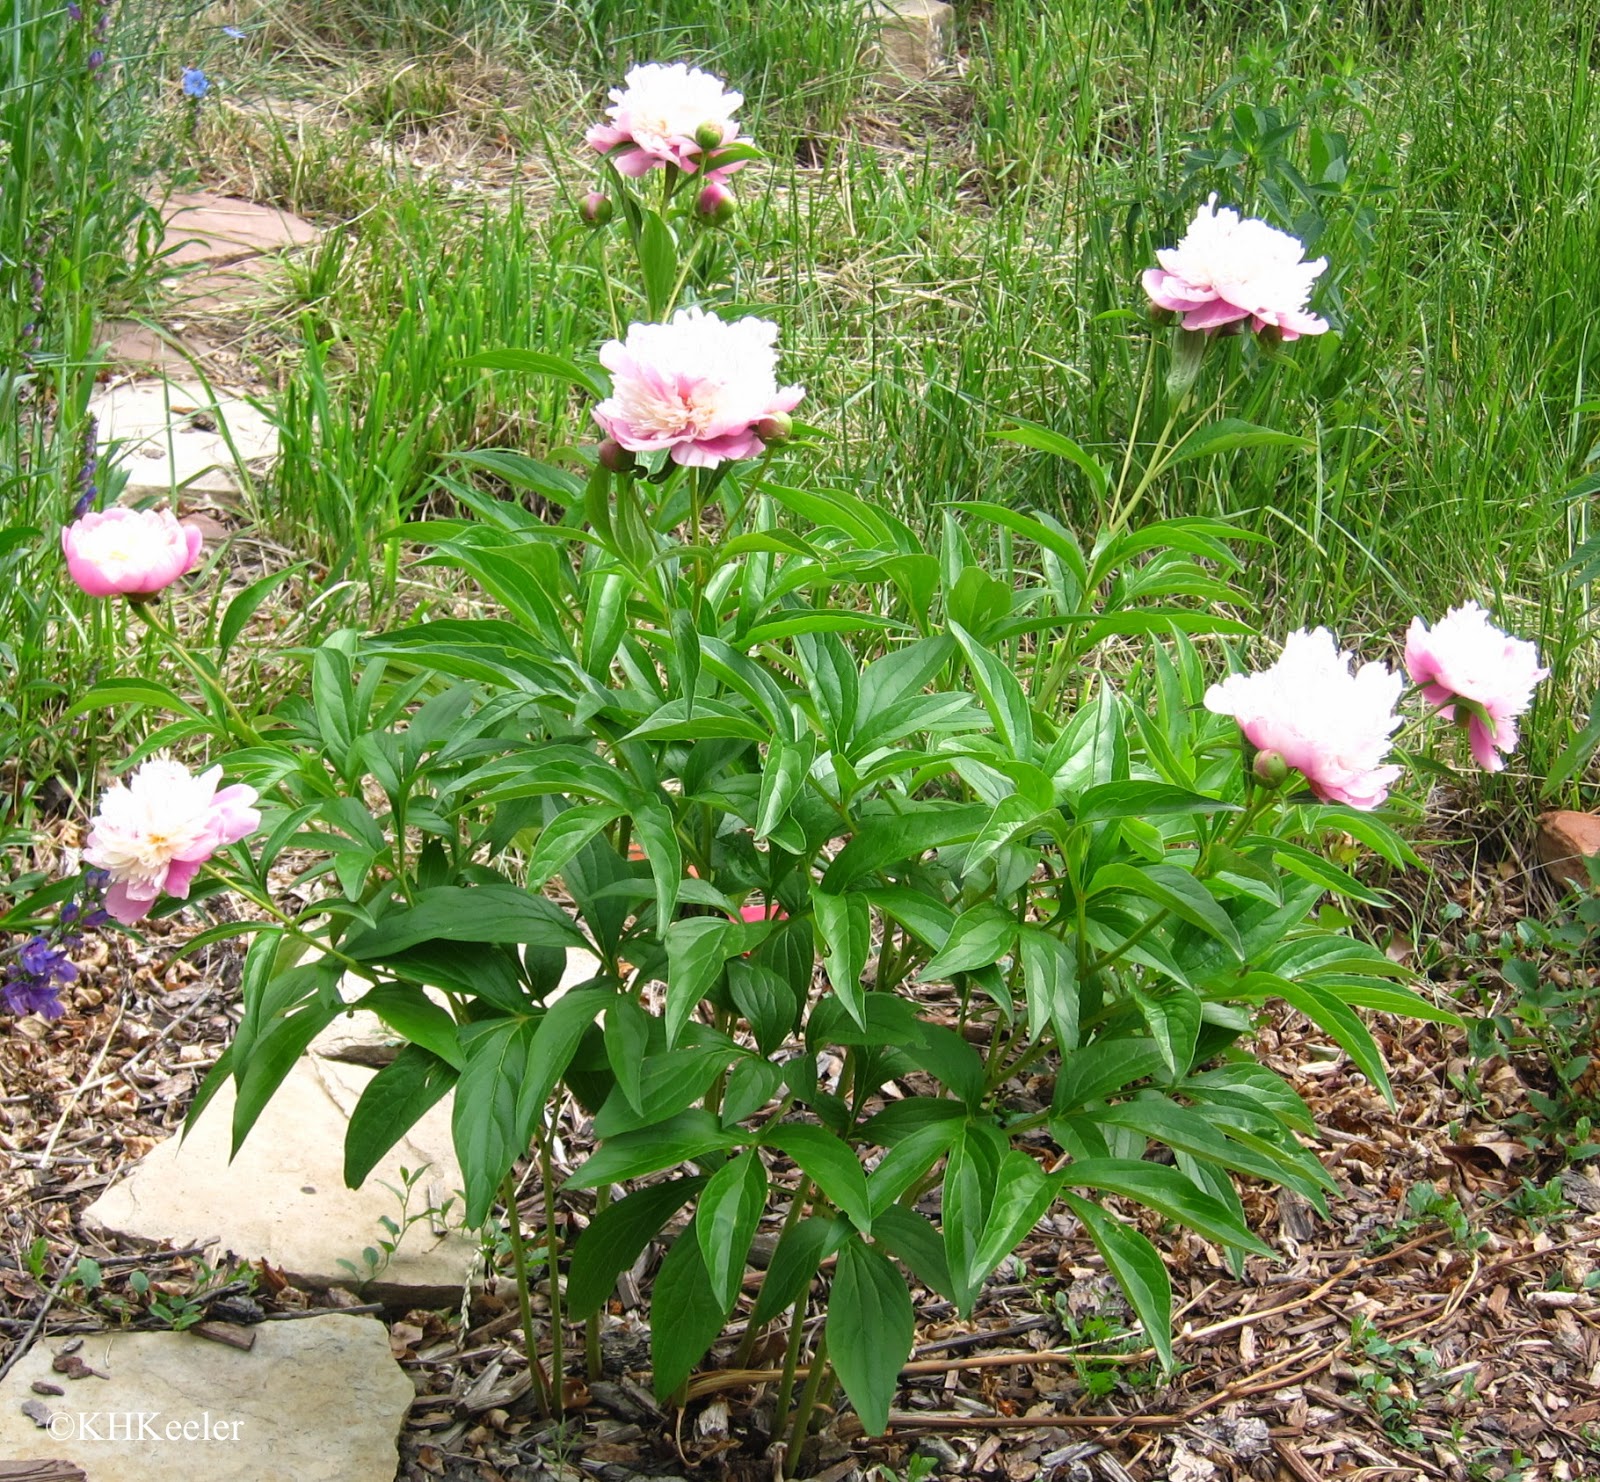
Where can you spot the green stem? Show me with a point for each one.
(552, 1251)
(210, 686)
(747, 1344)
(591, 1326)
(808, 1403)
(791, 1362)
(519, 1261)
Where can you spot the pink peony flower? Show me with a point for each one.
(155, 830)
(1226, 269)
(697, 385)
(1329, 725)
(129, 552)
(668, 115)
(1465, 657)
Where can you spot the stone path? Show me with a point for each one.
(170, 433)
(316, 1400)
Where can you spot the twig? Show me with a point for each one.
(43, 1159)
(25, 1342)
(295, 1316)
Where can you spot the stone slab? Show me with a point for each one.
(201, 227)
(283, 1199)
(169, 436)
(318, 1400)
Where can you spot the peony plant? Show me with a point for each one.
(914, 919)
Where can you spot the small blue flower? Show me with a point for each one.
(234, 33)
(195, 83)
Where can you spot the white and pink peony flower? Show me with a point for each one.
(1227, 268)
(129, 552)
(668, 115)
(1465, 657)
(1331, 726)
(699, 385)
(155, 830)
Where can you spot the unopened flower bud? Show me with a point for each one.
(709, 136)
(615, 458)
(775, 427)
(715, 204)
(597, 209)
(1270, 768)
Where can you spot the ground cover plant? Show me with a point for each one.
(946, 758)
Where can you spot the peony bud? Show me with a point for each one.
(709, 136)
(1270, 769)
(615, 458)
(597, 209)
(775, 427)
(715, 204)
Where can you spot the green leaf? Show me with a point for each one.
(1174, 889)
(393, 1102)
(407, 1010)
(871, 1325)
(499, 912)
(844, 922)
(690, 1134)
(831, 1164)
(1001, 694)
(616, 1238)
(908, 1235)
(242, 608)
(908, 1161)
(512, 1065)
(1230, 433)
(652, 820)
(782, 777)
(1168, 1192)
(1047, 440)
(281, 1042)
(726, 1221)
(1138, 1267)
(564, 836)
(1144, 800)
(1050, 981)
(1095, 1071)
(1329, 1014)
(658, 264)
(766, 1001)
(685, 1315)
(627, 1039)
(696, 949)
(537, 363)
(889, 839)
(970, 1178)
(1172, 1013)
(802, 1248)
(981, 936)
(131, 692)
(751, 1086)
(1023, 1195)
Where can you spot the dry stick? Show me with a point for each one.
(72, 1101)
(25, 1342)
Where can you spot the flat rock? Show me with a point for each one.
(169, 436)
(1563, 841)
(201, 227)
(283, 1198)
(913, 38)
(318, 1400)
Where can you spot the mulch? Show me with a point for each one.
(1438, 1326)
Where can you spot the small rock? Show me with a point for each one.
(1564, 840)
(319, 1400)
(913, 39)
(44, 1387)
(256, 1206)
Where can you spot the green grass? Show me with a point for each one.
(946, 256)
